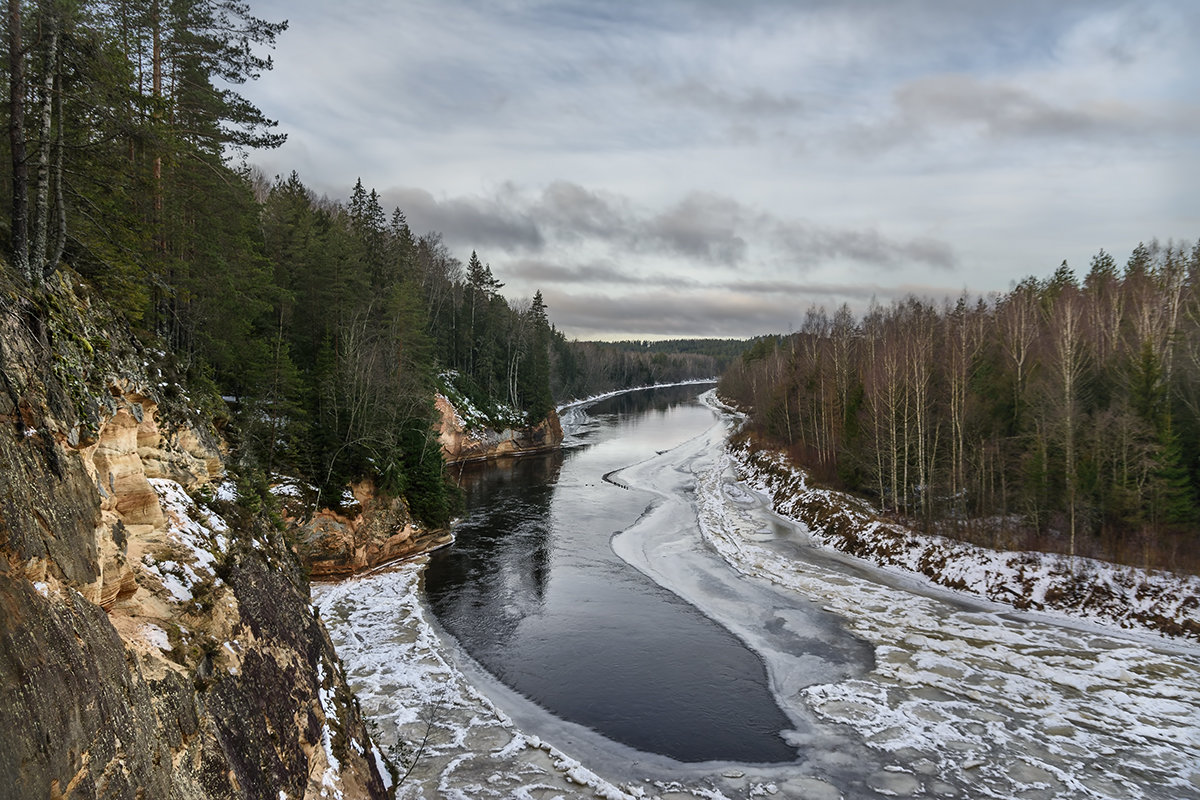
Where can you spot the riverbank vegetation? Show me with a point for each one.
(1063, 415)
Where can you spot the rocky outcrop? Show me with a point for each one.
(460, 444)
(372, 529)
(367, 533)
(150, 645)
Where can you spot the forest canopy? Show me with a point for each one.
(327, 327)
(1065, 412)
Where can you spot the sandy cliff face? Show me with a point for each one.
(460, 444)
(375, 529)
(149, 647)
(367, 533)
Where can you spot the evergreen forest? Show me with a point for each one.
(1062, 415)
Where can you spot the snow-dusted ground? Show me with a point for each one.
(956, 696)
(1007, 703)
(587, 401)
(1085, 588)
(427, 714)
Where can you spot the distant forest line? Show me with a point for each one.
(1062, 415)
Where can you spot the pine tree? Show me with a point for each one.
(536, 395)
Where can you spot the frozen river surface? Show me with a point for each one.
(649, 617)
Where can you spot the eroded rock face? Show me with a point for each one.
(460, 445)
(147, 649)
(373, 531)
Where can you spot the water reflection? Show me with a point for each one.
(534, 592)
(505, 567)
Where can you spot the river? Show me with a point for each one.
(600, 605)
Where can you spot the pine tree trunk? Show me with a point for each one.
(60, 236)
(41, 220)
(16, 138)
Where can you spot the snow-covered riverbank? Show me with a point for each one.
(1010, 703)
(1084, 588)
(447, 737)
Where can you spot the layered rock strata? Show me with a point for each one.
(461, 444)
(367, 533)
(150, 645)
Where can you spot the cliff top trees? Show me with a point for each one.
(113, 101)
(327, 322)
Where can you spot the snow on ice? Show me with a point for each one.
(1010, 704)
(410, 688)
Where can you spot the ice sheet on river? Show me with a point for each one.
(426, 714)
(423, 709)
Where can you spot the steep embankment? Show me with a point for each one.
(463, 441)
(1082, 587)
(149, 647)
(370, 529)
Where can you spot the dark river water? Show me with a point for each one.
(533, 591)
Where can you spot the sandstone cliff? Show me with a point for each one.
(461, 443)
(370, 531)
(150, 645)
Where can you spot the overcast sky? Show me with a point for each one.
(672, 168)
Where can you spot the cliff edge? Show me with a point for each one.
(156, 639)
(462, 443)
(370, 529)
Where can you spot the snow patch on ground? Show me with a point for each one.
(155, 636)
(198, 537)
(1011, 707)
(288, 489)
(474, 420)
(605, 395)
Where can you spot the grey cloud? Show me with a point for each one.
(809, 244)
(1000, 111)
(718, 230)
(661, 313)
(607, 275)
(702, 225)
(595, 272)
(755, 102)
(480, 222)
(574, 211)
(732, 309)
